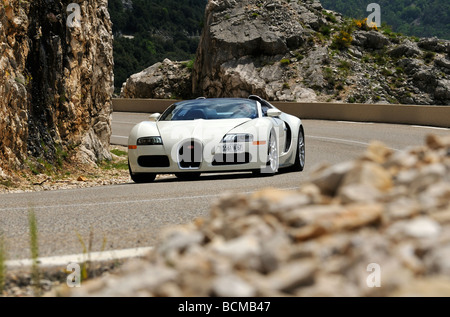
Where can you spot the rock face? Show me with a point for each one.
(242, 42)
(375, 226)
(56, 81)
(166, 80)
(297, 51)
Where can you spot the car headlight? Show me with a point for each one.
(150, 140)
(237, 137)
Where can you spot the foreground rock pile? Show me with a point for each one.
(386, 212)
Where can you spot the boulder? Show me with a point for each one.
(166, 80)
(370, 39)
(238, 40)
(407, 49)
(434, 44)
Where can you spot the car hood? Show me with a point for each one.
(206, 131)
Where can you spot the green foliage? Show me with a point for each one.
(189, 64)
(2, 263)
(114, 165)
(329, 76)
(118, 152)
(151, 31)
(34, 248)
(423, 18)
(342, 40)
(86, 271)
(428, 57)
(325, 30)
(329, 16)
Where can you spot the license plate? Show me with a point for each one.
(233, 148)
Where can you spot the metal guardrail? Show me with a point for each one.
(436, 116)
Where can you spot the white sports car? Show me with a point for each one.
(216, 135)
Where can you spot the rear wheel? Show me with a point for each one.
(141, 177)
(188, 175)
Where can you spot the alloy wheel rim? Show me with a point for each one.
(273, 154)
(301, 149)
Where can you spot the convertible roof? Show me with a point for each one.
(211, 101)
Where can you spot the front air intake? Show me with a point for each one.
(153, 161)
(190, 155)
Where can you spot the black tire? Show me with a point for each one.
(188, 176)
(300, 153)
(141, 177)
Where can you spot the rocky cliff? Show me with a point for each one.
(297, 51)
(56, 82)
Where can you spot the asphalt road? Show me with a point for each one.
(133, 215)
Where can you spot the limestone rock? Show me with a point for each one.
(56, 81)
(233, 33)
(286, 51)
(407, 49)
(165, 80)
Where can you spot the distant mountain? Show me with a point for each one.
(148, 31)
(421, 18)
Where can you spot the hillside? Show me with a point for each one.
(147, 31)
(298, 51)
(421, 18)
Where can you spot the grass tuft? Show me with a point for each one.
(2, 264)
(34, 248)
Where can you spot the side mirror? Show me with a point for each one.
(273, 113)
(154, 116)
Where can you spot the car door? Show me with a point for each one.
(278, 124)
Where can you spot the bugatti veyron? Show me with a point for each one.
(208, 135)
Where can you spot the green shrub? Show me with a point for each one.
(342, 40)
(285, 61)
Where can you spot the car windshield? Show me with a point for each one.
(211, 109)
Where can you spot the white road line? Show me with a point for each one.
(365, 144)
(64, 260)
(118, 136)
(354, 122)
(108, 203)
(427, 127)
(125, 201)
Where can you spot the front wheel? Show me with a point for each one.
(141, 177)
(300, 154)
(272, 158)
